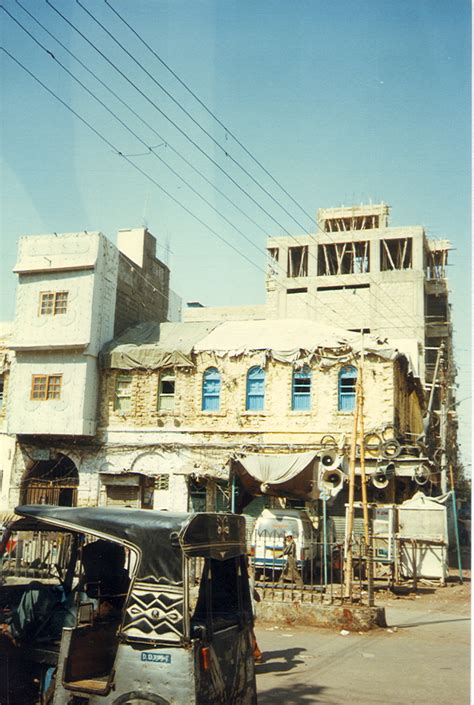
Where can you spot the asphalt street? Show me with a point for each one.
(422, 658)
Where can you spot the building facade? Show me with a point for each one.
(112, 401)
(358, 273)
(75, 292)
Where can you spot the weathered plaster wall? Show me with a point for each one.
(276, 424)
(72, 414)
(143, 281)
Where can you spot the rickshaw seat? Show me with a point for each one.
(91, 656)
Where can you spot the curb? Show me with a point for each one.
(354, 618)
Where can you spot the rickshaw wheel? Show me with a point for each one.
(137, 698)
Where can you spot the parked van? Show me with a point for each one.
(268, 540)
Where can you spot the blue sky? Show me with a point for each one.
(342, 101)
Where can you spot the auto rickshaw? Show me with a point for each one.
(117, 606)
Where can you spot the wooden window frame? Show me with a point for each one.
(346, 389)
(122, 396)
(50, 387)
(166, 377)
(301, 389)
(57, 303)
(211, 390)
(255, 389)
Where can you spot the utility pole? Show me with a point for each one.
(350, 514)
(357, 428)
(443, 422)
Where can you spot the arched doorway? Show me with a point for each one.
(51, 482)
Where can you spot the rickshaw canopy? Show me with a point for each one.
(160, 538)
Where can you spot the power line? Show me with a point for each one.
(208, 110)
(199, 101)
(142, 142)
(103, 55)
(129, 161)
(147, 124)
(385, 302)
(172, 122)
(188, 114)
(135, 166)
(129, 129)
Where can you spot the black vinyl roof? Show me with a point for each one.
(160, 537)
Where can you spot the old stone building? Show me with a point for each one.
(75, 292)
(359, 273)
(185, 415)
(185, 407)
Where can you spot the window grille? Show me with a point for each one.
(211, 389)
(162, 482)
(347, 388)
(166, 390)
(301, 390)
(53, 302)
(46, 303)
(44, 387)
(123, 393)
(60, 302)
(255, 396)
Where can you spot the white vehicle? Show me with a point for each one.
(268, 540)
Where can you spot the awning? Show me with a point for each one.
(277, 468)
(150, 346)
(279, 474)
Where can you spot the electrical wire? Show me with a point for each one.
(129, 161)
(403, 327)
(171, 121)
(383, 301)
(147, 124)
(51, 54)
(186, 112)
(228, 131)
(145, 174)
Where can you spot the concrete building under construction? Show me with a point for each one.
(358, 273)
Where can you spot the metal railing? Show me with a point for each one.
(315, 574)
(35, 554)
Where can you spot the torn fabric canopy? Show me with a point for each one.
(151, 345)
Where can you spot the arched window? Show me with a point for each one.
(347, 388)
(211, 389)
(301, 390)
(255, 397)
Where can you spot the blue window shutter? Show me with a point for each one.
(301, 390)
(255, 396)
(347, 388)
(211, 390)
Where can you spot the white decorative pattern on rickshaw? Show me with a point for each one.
(155, 610)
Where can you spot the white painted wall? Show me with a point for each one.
(86, 266)
(91, 285)
(72, 414)
(7, 455)
(32, 330)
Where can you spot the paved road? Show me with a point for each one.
(426, 661)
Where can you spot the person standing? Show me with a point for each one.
(290, 570)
